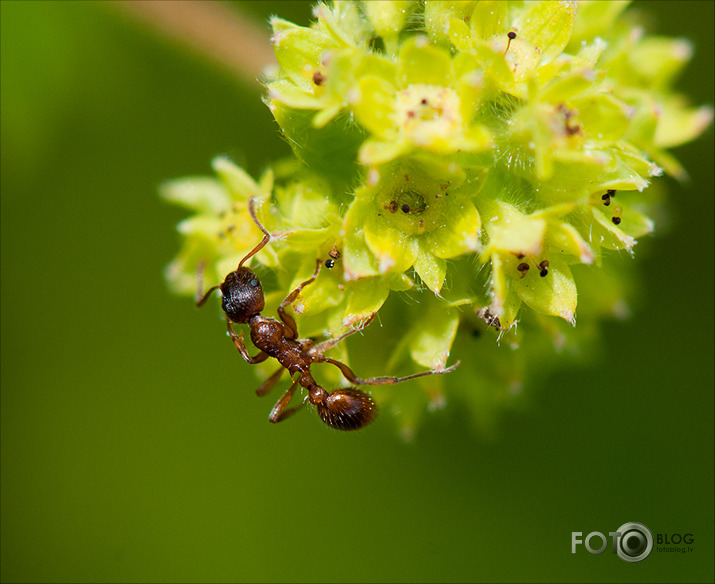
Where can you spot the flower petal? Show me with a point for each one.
(240, 185)
(431, 342)
(565, 238)
(394, 249)
(285, 92)
(375, 106)
(605, 233)
(489, 18)
(300, 52)
(431, 270)
(547, 25)
(422, 63)
(459, 234)
(205, 195)
(365, 297)
(512, 231)
(358, 260)
(678, 124)
(554, 294)
(374, 152)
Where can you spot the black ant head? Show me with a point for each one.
(345, 409)
(242, 295)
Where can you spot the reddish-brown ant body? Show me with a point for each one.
(243, 300)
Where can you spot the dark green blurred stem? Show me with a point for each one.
(216, 30)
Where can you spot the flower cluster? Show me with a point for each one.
(481, 160)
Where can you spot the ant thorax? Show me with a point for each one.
(269, 336)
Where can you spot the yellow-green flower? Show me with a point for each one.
(220, 229)
(317, 63)
(424, 101)
(460, 167)
(410, 219)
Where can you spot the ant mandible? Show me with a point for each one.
(243, 300)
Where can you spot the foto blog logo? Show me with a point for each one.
(632, 542)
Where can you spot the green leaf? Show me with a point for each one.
(331, 150)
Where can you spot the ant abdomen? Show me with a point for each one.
(345, 409)
(242, 295)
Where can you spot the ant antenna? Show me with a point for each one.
(266, 235)
(511, 35)
(201, 298)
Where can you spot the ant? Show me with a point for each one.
(243, 300)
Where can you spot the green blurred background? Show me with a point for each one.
(133, 447)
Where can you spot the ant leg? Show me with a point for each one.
(268, 384)
(279, 411)
(352, 378)
(241, 346)
(266, 235)
(201, 298)
(320, 348)
(287, 318)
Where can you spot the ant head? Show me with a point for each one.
(345, 409)
(242, 295)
